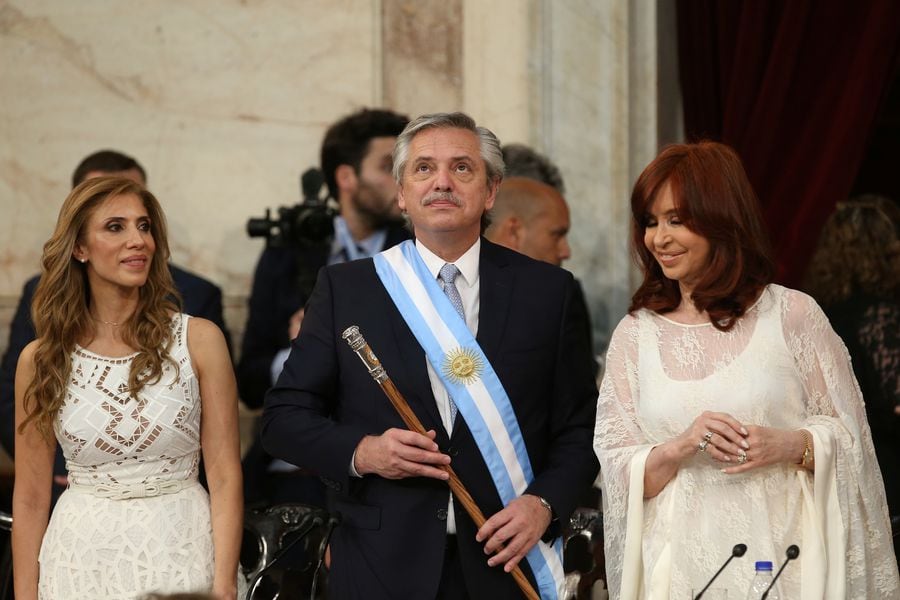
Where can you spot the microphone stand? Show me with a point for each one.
(738, 550)
(792, 552)
(311, 523)
(333, 522)
(359, 345)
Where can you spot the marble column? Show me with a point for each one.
(579, 82)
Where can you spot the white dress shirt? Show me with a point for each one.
(469, 285)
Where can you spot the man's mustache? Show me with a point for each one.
(441, 196)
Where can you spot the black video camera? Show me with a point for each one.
(307, 223)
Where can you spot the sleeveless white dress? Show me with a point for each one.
(134, 519)
(780, 366)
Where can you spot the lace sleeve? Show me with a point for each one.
(617, 440)
(836, 416)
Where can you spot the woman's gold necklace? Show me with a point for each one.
(114, 324)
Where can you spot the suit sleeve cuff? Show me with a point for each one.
(353, 471)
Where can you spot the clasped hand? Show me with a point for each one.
(731, 440)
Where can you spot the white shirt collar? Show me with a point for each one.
(467, 263)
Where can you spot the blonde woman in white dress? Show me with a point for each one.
(132, 390)
(729, 412)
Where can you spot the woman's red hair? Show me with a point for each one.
(714, 199)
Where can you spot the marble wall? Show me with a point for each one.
(225, 103)
(580, 82)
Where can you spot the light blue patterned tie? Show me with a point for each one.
(447, 277)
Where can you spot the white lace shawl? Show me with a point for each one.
(780, 366)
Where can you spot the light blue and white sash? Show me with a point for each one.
(477, 391)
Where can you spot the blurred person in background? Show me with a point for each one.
(524, 161)
(855, 276)
(531, 216)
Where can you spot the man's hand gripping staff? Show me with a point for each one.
(358, 344)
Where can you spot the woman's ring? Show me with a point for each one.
(708, 436)
(702, 445)
(742, 457)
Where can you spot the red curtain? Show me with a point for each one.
(794, 86)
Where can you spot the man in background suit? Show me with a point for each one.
(531, 216)
(356, 165)
(402, 535)
(199, 298)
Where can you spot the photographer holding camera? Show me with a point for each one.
(356, 166)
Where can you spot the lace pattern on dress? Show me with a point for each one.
(110, 437)
(780, 366)
(134, 520)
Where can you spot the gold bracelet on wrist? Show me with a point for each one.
(807, 459)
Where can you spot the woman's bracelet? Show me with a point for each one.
(808, 457)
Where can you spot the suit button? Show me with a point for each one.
(442, 514)
(452, 451)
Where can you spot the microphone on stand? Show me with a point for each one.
(738, 551)
(792, 552)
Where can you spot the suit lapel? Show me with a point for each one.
(496, 286)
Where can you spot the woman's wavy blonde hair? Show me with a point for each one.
(858, 252)
(60, 309)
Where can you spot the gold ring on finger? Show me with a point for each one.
(702, 445)
(742, 457)
(708, 436)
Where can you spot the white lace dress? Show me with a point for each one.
(134, 519)
(780, 366)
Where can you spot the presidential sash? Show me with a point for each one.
(477, 391)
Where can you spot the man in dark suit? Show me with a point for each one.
(199, 298)
(402, 534)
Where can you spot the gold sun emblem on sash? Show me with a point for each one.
(462, 365)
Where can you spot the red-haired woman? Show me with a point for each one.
(729, 412)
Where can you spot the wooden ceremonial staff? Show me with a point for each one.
(359, 345)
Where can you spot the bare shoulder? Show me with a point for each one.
(25, 368)
(205, 341)
(200, 328)
(26, 358)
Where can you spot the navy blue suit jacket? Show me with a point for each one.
(200, 298)
(392, 538)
